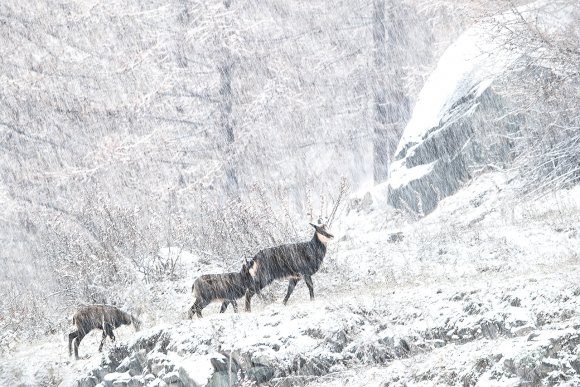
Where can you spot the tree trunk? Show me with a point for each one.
(391, 110)
(226, 117)
(183, 20)
(380, 135)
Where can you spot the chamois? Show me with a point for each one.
(291, 261)
(103, 317)
(227, 287)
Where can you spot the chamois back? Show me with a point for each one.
(226, 287)
(291, 261)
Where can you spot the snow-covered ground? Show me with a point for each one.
(485, 290)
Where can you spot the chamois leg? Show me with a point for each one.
(249, 295)
(71, 338)
(198, 306)
(235, 305)
(224, 306)
(291, 285)
(103, 341)
(308, 280)
(109, 330)
(77, 342)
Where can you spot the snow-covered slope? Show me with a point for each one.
(483, 290)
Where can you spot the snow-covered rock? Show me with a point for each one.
(437, 146)
(309, 340)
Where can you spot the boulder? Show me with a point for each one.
(459, 105)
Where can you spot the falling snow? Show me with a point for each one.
(145, 144)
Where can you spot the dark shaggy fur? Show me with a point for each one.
(227, 287)
(291, 261)
(103, 317)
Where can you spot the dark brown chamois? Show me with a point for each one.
(103, 317)
(293, 261)
(226, 288)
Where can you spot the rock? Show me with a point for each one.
(157, 383)
(403, 347)
(361, 204)
(87, 381)
(523, 330)
(116, 355)
(457, 296)
(519, 317)
(219, 364)
(195, 371)
(474, 307)
(226, 368)
(185, 377)
(443, 137)
(159, 364)
(134, 364)
(396, 237)
(311, 367)
(100, 372)
(261, 374)
(172, 379)
(338, 341)
(491, 329)
(367, 201)
(124, 366)
(117, 379)
(157, 369)
(423, 194)
(542, 363)
(222, 379)
(136, 382)
(481, 365)
(512, 300)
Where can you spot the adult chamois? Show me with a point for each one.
(292, 261)
(226, 288)
(103, 317)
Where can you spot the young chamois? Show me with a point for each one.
(293, 262)
(103, 317)
(226, 288)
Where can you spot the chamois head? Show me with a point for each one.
(247, 273)
(322, 233)
(128, 319)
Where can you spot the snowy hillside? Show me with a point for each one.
(481, 291)
(144, 144)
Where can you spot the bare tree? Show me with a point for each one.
(542, 89)
(226, 68)
(380, 135)
(391, 105)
